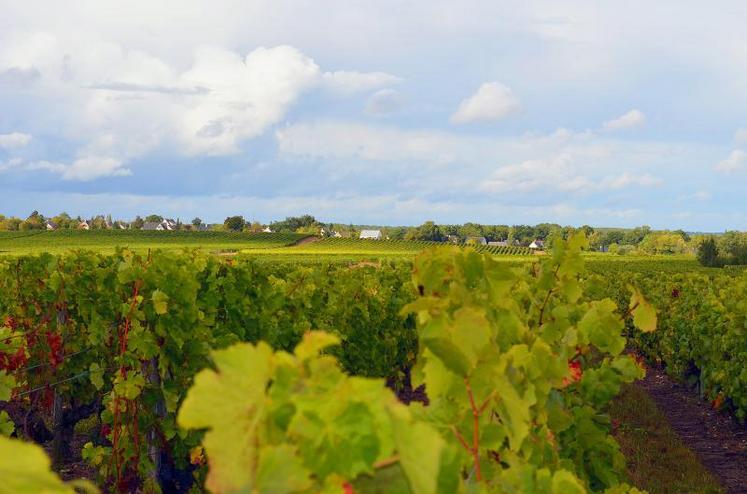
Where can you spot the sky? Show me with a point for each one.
(387, 112)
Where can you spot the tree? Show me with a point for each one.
(234, 223)
(293, 223)
(153, 218)
(137, 223)
(197, 222)
(708, 253)
(636, 235)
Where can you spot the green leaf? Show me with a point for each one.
(25, 469)
(7, 383)
(6, 424)
(281, 471)
(424, 456)
(160, 302)
(96, 375)
(564, 482)
(644, 314)
(230, 401)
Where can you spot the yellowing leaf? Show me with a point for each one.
(314, 342)
(25, 469)
(281, 471)
(231, 403)
(644, 314)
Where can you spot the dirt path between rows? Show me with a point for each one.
(306, 240)
(718, 440)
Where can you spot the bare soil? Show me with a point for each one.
(718, 440)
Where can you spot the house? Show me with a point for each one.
(336, 234)
(151, 226)
(371, 234)
(499, 243)
(537, 245)
(121, 225)
(477, 241)
(83, 225)
(267, 229)
(51, 225)
(168, 224)
(203, 228)
(452, 239)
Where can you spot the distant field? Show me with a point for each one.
(106, 241)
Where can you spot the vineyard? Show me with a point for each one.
(451, 372)
(106, 241)
(377, 248)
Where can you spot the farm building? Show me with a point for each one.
(371, 234)
(537, 245)
(477, 241)
(51, 225)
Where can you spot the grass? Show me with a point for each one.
(658, 460)
(106, 241)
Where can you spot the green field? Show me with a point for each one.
(106, 241)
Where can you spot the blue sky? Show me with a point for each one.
(601, 113)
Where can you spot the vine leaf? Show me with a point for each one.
(231, 403)
(644, 314)
(6, 424)
(25, 469)
(7, 382)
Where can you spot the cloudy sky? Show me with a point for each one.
(386, 112)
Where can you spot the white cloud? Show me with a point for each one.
(244, 95)
(384, 102)
(348, 82)
(736, 161)
(492, 101)
(559, 173)
(740, 136)
(628, 179)
(14, 140)
(698, 195)
(630, 120)
(124, 103)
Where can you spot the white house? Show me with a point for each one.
(537, 245)
(51, 225)
(371, 234)
(267, 229)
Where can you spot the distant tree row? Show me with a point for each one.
(727, 249)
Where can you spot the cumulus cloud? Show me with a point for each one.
(492, 101)
(384, 102)
(14, 140)
(129, 102)
(630, 120)
(736, 161)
